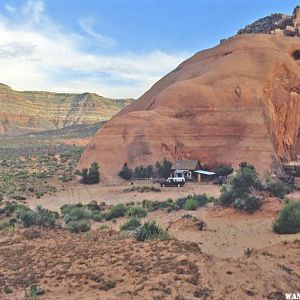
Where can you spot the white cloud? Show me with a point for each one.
(87, 25)
(36, 54)
(34, 9)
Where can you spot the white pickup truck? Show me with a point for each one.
(173, 181)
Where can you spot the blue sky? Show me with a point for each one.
(116, 48)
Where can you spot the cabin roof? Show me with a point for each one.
(186, 164)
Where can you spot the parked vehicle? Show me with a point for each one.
(173, 181)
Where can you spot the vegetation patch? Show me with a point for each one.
(162, 169)
(89, 175)
(239, 193)
(131, 224)
(136, 211)
(288, 220)
(151, 231)
(142, 189)
(116, 211)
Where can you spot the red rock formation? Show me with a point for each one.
(236, 102)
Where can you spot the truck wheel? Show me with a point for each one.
(163, 185)
(178, 184)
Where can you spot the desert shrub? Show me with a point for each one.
(278, 189)
(180, 202)
(238, 193)
(136, 211)
(27, 218)
(1, 198)
(143, 172)
(76, 214)
(93, 205)
(150, 231)
(245, 179)
(226, 198)
(116, 211)
(201, 198)
(40, 217)
(131, 224)
(126, 173)
(163, 168)
(79, 226)
(7, 225)
(288, 220)
(91, 175)
(155, 205)
(223, 170)
(96, 216)
(191, 204)
(8, 209)
(142, 189)
(44, 217)
(249, 203)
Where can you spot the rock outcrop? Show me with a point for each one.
(22, 112)
(277, 24)
(236, 102)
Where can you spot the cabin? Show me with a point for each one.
(185, 168)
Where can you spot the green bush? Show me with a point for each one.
(27, 218)
(41, 217)
(150, 231)
(91, 175)
(142, 189)
(116, 211)
(44, 217)
(223, 170)
(7, 226)
(96, 216)
(245, 179)
(131, 224)
(136, 211)
(163, 168)
(143, 172)
(238, 192)
(93, 205)
(249, 203)
(288, 220)
(278, 189)
(155, 205)
(202, 199)
(226, 198)
(126, 173)
(191, 204)
(79, 226)
(77, 214)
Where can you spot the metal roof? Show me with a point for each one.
(185, 164)
(204, 172)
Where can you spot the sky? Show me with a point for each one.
(115, 48)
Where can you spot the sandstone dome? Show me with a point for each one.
(238, 101)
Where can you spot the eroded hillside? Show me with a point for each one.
(22, 112)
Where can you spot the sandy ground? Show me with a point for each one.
(75, 193)
(227, 235)
(110, 266)
(104, 264)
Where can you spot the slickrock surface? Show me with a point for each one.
(236, 102)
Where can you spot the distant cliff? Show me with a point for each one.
(22, 112)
